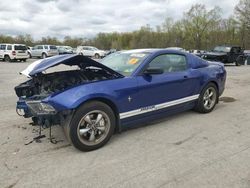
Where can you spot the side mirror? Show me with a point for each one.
(153, 70)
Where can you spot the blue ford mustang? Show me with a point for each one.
(92, 100)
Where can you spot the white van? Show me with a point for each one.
(12, 52)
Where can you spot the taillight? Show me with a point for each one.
(13, 52)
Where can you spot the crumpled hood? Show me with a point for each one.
(216, 63)
(82, 61)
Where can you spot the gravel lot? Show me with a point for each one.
(184, 150)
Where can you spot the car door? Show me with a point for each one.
(84, 51)
(34, 51)
(89, 52)
(175, 86)
(234, 53)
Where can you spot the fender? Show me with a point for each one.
(74, 97)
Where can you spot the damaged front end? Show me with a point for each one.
(35, 94)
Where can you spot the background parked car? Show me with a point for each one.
(111, 51)
(12, 52)
(43, 51)
(247, 55)
(198, 53)
(91, 51)
(29, 48)
(226, 54)
(65, 50)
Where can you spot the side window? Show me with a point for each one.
(46, 47)
(235, 50)
(9, 47)
(170, 62)
(40, 47)
(2, 47)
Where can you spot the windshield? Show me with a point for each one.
(93, 48)
(124, 62)
(68, 47)
(222, 49)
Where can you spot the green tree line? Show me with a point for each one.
(199, 28)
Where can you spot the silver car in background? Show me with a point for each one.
(65, 50)
(91, 51)
(43, 51)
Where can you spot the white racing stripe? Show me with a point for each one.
(31, 67)
(157, 107)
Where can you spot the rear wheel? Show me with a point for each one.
(7, 58)
(30, 56)
(92, 126)
(44, 55)
(208, 99)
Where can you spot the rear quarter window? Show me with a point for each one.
(20, 47)
(53, 47)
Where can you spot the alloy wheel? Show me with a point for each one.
(209, 98)
(93, 127)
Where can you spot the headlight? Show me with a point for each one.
(47, 108)
(40, 108)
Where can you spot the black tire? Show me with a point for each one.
(30, 56)
(82, 142)
(7, 58)
(24, 60)
(239, 61)
(97, 56)
(201, 106)
(44, 55)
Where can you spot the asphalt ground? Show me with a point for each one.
(183, 150)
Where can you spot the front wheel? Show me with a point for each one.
(92, 126)
(208, 99)
(97, 56)
(239, 61)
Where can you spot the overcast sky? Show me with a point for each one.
(85, 18)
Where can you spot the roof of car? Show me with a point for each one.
(12, 44)
(45, 45)
(152, 50)
(230, 46)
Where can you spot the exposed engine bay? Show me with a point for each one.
(45, 84)
(42, 85)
